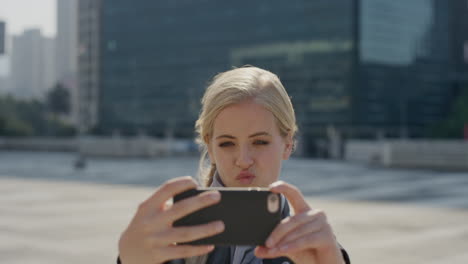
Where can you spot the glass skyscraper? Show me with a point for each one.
(360, 66)
(404, 65)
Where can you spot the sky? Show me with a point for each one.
(24, 14)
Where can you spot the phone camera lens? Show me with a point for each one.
(273, 203)
(273, 198)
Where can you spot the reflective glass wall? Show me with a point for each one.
(157, 57)
(404, 49)
(364, 67)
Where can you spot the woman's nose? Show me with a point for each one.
(244, 158)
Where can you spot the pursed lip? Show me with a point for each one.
(245, 177)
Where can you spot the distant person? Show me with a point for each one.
(246, 128)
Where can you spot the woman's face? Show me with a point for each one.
(247, 147)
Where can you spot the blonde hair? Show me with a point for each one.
(232, 87)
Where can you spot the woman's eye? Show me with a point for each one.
(261, 142)
(226, 144)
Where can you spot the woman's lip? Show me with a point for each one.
(245, 174)
(245, 177)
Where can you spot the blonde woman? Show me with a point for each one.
(246, 128)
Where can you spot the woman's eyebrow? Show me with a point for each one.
(260, 134)
(225, 136)
(263, 133)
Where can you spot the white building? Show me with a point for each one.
(4, 62)
(32, 65)
(66, 51)
(2, 37)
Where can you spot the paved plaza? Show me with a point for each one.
(49, 221)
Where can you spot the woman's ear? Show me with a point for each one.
(288, 146)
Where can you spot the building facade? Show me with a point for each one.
(382, 68)
(4, 65)
(89, 13)
(459, 41)
(66, 51)
(404, 65)
(156, 58)
(2, 37)
(32, 65)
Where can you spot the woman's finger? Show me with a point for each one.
(266, 253)
(184, 251)
(190, 205)
(289, 224)
(307, 241)
(165, 192)
(190, 233)
(293, 194)
(303, 230)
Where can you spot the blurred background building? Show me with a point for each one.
(459, 40)
(66, 52)
(32, 65)
(3, 79)
(35, 64)
(88, 63)
(2, 37)
(354, 68)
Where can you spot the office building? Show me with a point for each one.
(459, 40)
(4, 65)
(32, 65)
(66, 52)
(89, 13)
(2, 37)
(362, 67)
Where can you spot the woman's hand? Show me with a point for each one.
(150, 236)
(305, 237)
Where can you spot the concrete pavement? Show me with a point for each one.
(67, 222)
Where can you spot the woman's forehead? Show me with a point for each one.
(244, 118)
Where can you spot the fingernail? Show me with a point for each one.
(273, 184)
(272, 250)
(269, 243)
(210, 247)
(284, 248)
(276, 183)
(219, 226)
(214, 196)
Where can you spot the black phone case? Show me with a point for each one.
(244, 213)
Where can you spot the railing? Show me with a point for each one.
(39, 144)
(140, 146)
(441, 154)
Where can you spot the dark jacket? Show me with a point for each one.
(218, 260)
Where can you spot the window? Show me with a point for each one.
(465, 51)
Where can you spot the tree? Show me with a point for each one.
(453, 126)
(58, 99)
(12, 121)
(20, 118)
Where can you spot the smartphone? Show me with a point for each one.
(249, 215)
